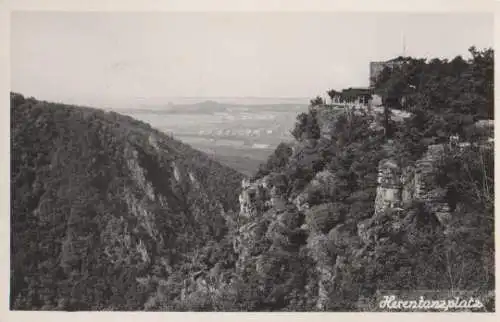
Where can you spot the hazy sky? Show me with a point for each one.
(93, 58)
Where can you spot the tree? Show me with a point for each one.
(317, 101)
(332, 94)
(277, 161)
(306, 126)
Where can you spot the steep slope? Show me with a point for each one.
(365, 203)
(342, 215)
(100, 202)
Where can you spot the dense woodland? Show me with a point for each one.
(75, 243)
(78, 244)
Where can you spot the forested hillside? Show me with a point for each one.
(99, 201)
(451, 94)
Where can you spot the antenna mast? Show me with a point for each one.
(404, 45)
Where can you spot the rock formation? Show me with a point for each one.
(333, 240)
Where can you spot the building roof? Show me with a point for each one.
(357, 91)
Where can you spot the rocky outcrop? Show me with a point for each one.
(389, 188)
(399, 186)
(317, 245)
(253, 197)
(270, 214)
(425, 171)
(137, 172)
(256, 198)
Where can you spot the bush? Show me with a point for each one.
(322, 218)
(306, 127)
(277, 162)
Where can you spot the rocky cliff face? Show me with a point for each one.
(333, 240)
(398, 186)
(327, 232)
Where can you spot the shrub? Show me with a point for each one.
(306, 127)
(322, 218)
(277, 162)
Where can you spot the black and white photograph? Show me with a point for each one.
(230, 161)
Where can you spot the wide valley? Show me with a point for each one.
(239, 133)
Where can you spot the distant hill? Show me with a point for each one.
(101, 201)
